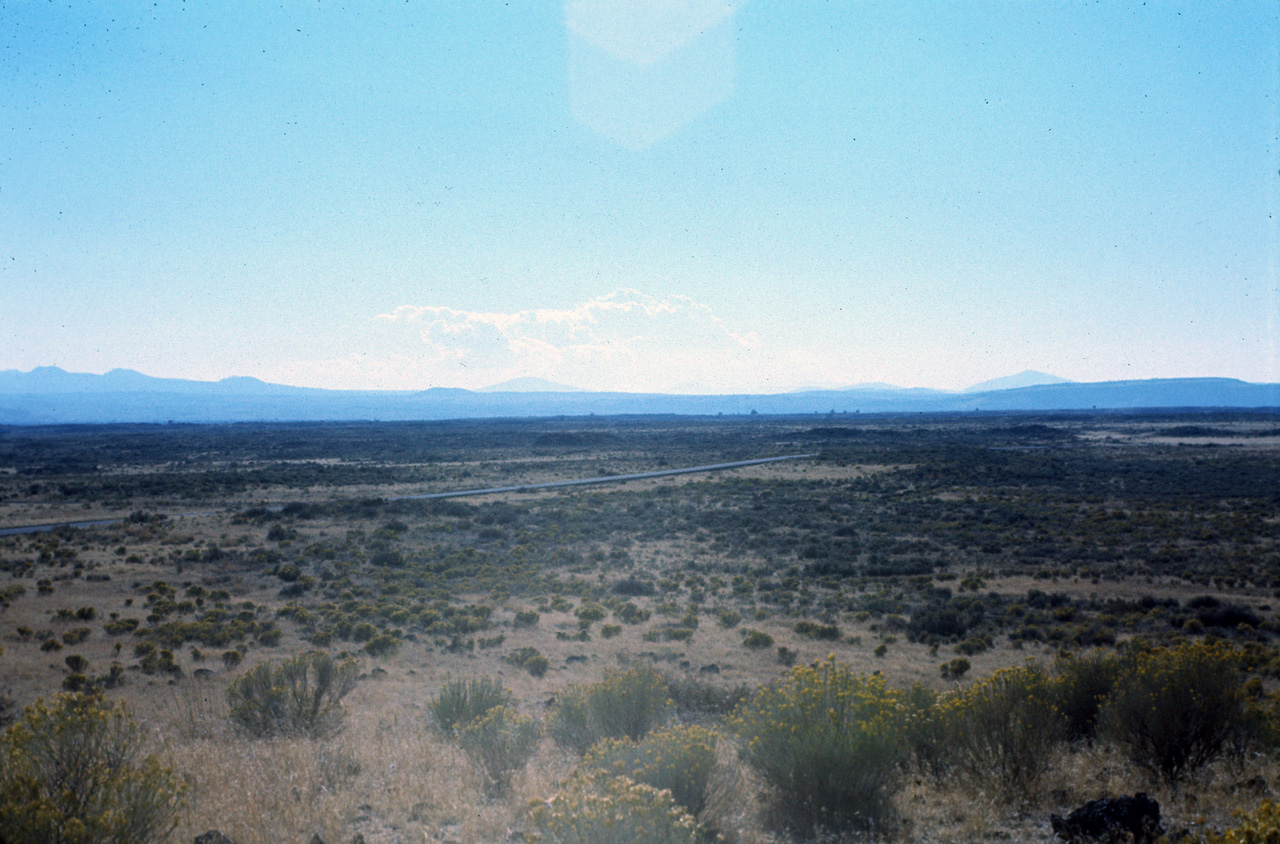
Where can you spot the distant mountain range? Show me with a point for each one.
(530, 385)
(1026, 378)
(49, 395)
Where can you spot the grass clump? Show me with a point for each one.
(679, 759)
(626, 704)
(501, 741)
(1173, 709)
(462, 702)
(604, 809)
(1000, 732)
(301, 696)
(73, 773)
(829, 743)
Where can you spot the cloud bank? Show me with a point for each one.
(626, 340)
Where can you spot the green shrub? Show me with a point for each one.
(530, 659)
(301, 696)
(461, 702)
(697, 700)
(728, 618)
(1001, 730)
(525, 618)
(973, 645)
(608, 631)
(118, 627)
(589, 613)
(679, 759)
(755, 640)
(1173, 709)
(75, 636)
(629, 613)
(829, 742)
(384, 644)
(502, 742)
(73, 773)
(159, 661)
(624, 704)
(601, 809)
(813, 630)
(1081, 686)
(955, 669)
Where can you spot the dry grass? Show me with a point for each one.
(387, 776)
(390, 778)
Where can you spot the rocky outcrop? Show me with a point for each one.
(1135, 818)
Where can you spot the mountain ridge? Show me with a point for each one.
(49, 395)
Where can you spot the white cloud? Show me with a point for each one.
(626, 340)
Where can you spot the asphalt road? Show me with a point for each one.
(605, 479)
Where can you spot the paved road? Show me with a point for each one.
(605, 479)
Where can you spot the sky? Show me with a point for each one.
(641, 195)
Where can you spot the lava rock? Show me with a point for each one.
(1111, 819)
(213, 837)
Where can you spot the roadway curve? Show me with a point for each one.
(605, 479)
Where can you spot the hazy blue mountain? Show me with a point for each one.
(1025, 378)
(53, 380)
(869, 385)
(49, 395)
(529, 384)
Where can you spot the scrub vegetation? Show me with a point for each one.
(935, 627)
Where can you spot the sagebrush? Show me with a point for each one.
(829, 742)
(74, 773)
(301, 696)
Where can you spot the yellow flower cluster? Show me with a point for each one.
(1000, 731)
(604, 809)
(1261, 827)
(70, 774)
(678, 759)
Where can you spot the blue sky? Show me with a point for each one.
(679, 195)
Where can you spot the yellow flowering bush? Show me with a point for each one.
(1000, 731)
(1261, 827)
(926, 732)
(1174, 708)
(624, 704)
(501, 741)
(604, 809)
(74, 773)
(1082, 684)
(829, 742)
(678, 759)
